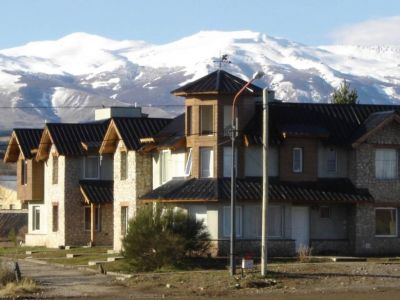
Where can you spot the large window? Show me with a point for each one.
(297, 157)
(386, 222)
(35, 218)
(227, 221)
(206, 162)
(55, 170)
(55, 217)
(331, 162)
(124, 165)
(206, 120)
(386, 163)
(92, 167)
(124, 220)
(24, 172)
(97, 218)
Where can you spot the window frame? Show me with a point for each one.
(165, 156)
(124, 223)
(201, 108)
(333, 171)
(24, 172)
(211, 162)
(301, 163)
(123, 166)
(55, 221)
(97, 217)
(98, 167)
(189, 163)
(36, 218)
(226, 232)
(396, 164)
(396, 225)
(189, 123)
(55, 165)
(282, 218)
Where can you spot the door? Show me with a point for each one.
(300, 226)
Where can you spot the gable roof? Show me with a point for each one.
(23, 140)
(337, 190)
(69, 139)
(97, 191)
(335, 123)
(130, 131)
(217, 82)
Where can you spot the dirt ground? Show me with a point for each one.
(367, 280)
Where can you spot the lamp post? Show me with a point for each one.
(232, 255)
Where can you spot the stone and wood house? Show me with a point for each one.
(334, 172)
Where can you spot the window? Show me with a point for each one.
(188, 167)
(55, 217)
(124, 165)
(386, 222)
(92, 167)
(385, 163)
(35, 218)
(275, 221)
(199, 212)
(165, 156)
(55, 170)
(207, 162)
(124, 220)
(12, 206)
(227, 221)
(331, 162)
(189, 129)
(24, 172)
(227, 119)
(325, 212)
(97, 218)
(297, 160)
(227, 161)
(206, 120)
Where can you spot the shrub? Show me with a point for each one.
(7, 274)
(159, 237)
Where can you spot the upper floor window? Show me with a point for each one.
(206, 162)
(297, 157)
(92, 167)
(165, 156)
(331, 162)
(24, 172)
(188, 166)
(55, 170)
(124, 165)
(189, 120)
(206, 120)
(386, 163)
(227, 119)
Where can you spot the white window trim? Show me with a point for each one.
(98, 167)
(397, 221)
(189, 163)
(34, 208)
(163, 156)
(240, 218)
(300, 170)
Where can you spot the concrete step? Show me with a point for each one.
(96, 262)
(114, 258)
(111, 251)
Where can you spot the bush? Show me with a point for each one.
(7, 274)
(159, 237)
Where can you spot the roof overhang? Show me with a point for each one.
(111, 139)
(45, 144)
(13, 150)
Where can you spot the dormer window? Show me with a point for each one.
(92, 167)
(206, 120)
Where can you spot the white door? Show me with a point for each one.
(300, 226)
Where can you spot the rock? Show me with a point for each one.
(168, 286)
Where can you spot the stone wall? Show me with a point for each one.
(126, 192)
(276, 247)
(330, 247)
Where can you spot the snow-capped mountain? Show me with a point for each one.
(65, 79)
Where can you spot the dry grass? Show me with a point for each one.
(25, 286)
(304, 253)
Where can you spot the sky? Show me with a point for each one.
(312, 22)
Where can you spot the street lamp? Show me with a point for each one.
(234, 130)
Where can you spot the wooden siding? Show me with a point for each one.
(34, 187)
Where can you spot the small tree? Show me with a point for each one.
(160, 237)
(343, 94)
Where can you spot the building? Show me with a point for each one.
(333, 170)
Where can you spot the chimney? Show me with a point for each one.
(118, 112)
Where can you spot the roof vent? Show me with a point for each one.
(118, 112)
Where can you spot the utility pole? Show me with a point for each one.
(235, 124)
(264, 230)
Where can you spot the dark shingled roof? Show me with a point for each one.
(250, 189)
(97, 191)
(338, 122)
(133, 129)
(217, 82)
(68, 137)
(28, 140)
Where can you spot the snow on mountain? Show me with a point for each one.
(64, 79)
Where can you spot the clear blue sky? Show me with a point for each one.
(307, 21)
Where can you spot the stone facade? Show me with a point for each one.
(138, 182)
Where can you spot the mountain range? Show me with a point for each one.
(66, 79)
